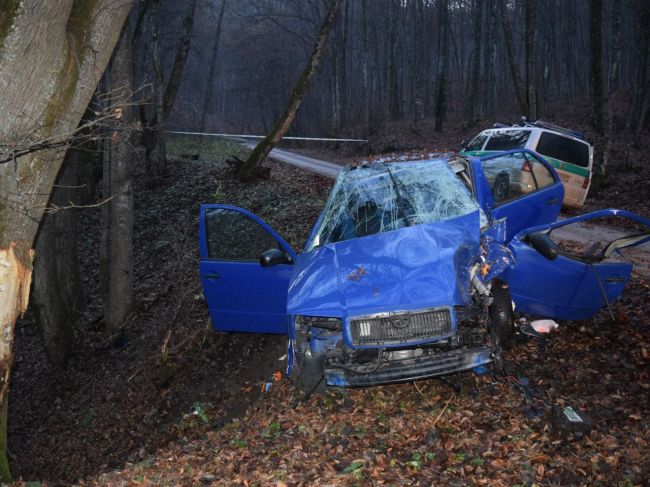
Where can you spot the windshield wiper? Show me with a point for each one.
(400, 207)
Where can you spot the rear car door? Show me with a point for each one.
(575, 285)
(242, 295)
(520, 187)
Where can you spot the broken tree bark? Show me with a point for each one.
(262, 149)
(52, 55)
(15, 281)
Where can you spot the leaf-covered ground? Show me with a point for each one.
(471, 430)
(181, 405)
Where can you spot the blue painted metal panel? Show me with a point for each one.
(566, 288)
(537, 208)
(408, 269)
(244, 296)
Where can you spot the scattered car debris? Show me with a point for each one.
(544, 326)
(570, 423)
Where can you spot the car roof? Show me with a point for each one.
(539, 129)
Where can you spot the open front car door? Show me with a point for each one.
(559, 274)
(245, 270)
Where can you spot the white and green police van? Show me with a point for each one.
(568, 152)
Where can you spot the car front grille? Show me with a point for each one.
(400, 328)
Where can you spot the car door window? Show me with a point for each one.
(233, 236)
(508, 140)
(514, 175)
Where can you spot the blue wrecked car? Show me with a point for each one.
(411, 270)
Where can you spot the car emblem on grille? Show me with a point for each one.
(400, 321)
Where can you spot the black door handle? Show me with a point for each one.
(552, 201)
(212, 276)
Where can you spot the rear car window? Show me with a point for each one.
(508, 139)
(478, 142)
(563, 149)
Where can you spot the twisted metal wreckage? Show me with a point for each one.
(413, 269)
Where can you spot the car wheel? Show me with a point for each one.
(307, 371)
(501, 315)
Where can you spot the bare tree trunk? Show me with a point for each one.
(57, 292)
(531, 58)
(595, 62)
(393, 85)
(613, 83)
(443, 56)
(641, 104)
(179, 61)
(209, 90)
(120, 282)
(262, 149)
(47, 77)
(512, 60)
(476, 61)
(159, 153)
(364, 66)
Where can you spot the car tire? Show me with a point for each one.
(307, 371)
(501, 315)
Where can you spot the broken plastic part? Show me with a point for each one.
(380, 198)
(497, 258)
(544, 326)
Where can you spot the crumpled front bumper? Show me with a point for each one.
(407, 370)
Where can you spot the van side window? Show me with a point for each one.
(563, 149)
(508, 139)
(477, 143)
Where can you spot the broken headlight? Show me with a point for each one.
(333, 324)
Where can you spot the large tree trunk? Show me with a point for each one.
(595, 62)
(208, 100)
(262, 149)
(57, 294)
(120, 227)
(51, 56)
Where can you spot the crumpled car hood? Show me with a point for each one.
(411, 268)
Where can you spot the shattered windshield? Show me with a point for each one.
(385, 197)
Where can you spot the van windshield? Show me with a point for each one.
(385, 197)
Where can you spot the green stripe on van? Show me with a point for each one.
(566, 167)
(556, 163)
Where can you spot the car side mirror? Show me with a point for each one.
(544, 245)
(463, 144)
(272, 257)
